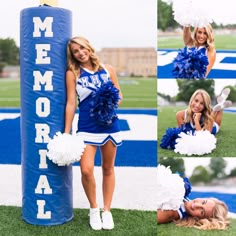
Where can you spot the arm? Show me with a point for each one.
(211, 59)
(70, 100)
(180, 117)
(188, 40)
(114, 79)
(166, 216)
(196, 118)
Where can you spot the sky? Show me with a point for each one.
(105, 23)
(172, 88)
(222, 12)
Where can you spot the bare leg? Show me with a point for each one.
(218, 117)
(87, 171)
(108, 160)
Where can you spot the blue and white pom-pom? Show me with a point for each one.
(194, 13)
(170, 189)
(104, 103)
(190, 63)
(168, 139)
(65, 149)
(197, 143)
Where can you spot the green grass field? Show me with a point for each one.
(127, 223)
(137, 92)
(222, 42)
(225, 138)
(171, 229)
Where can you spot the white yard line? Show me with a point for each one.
(135, 187)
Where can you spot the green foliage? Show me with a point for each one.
(217, 166)
(233, 172)
(9, 52)
(164, 16)
(188, 87)
(176, 164)
(200, 174)
(232, 95)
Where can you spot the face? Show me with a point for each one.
(80, 53)
(197, 104)
(200, 207)
(201, 36)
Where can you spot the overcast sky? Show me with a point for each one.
(106, 23)
(221, 11)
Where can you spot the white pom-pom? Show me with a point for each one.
(65, 149)
(192, 12)
(170, 189)
(199, 143)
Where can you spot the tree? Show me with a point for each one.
(232, 95)
(188, 87)
(217, 166)
(233, 173)
(9, 52)
(164, 16)
(200, 174)
(176, 164)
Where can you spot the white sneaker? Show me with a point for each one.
(224, 94)
(221, 106)
(107, 220)
(95, 218)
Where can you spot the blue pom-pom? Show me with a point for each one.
(104, 102)
(190, 63)
(187, 186)
(168, 139)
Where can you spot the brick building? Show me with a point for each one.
(131, 61)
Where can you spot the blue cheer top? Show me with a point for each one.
(88, 128)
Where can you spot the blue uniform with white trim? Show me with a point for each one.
(191, 126)
(182, 211)
(88, 129)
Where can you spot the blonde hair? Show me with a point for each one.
(73, 64)
(207, 114)
(218, 221)
(209, 44)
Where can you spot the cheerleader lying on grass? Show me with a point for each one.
(197, 125)
(174, 205)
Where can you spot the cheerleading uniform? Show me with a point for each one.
(92, 132)
(215, 127)
(182, 211)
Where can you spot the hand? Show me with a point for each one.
(197, 117)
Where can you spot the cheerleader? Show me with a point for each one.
(199, 116)
(174, 205)
(198, 57)
(98, 91)
(203, 38)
